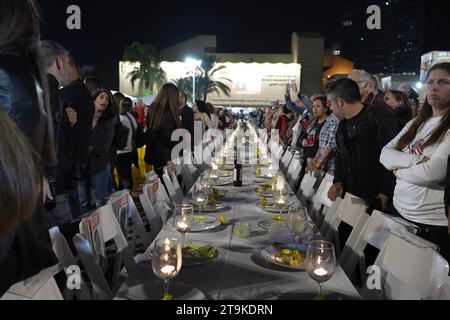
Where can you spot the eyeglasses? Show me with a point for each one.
(440, 83)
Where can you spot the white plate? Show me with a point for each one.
(265, 195)
(211, 209)
(196, 259)
(273, 209)
(264, 176)
(155, 290)
(270, 254)
(265, 224)
(226, 174)
(263, 182)
(221, 183)
(210, 224)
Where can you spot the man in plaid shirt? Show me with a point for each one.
(324, 159)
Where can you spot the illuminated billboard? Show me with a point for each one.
(251, 84)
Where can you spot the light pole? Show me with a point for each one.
(194, 64)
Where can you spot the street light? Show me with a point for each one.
(194, 64)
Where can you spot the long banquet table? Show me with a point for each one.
(239, 273)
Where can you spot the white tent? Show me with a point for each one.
(148, 100)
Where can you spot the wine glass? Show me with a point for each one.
(280, 199)
(200, 196)
(297, 221)
(320, 262)
(184, 220)
(166, 261)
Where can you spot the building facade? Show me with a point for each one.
(396, 48)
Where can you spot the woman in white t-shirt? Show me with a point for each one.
(125, 156)
(418, 156)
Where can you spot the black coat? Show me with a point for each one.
(64, 170)
(77, 96)
(358, 165)
(21, 97)
(101, 139)
(187, 120)
(159, 142)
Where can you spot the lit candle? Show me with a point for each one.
(321, 272)
(168, 270)
(183, 226)
(215, 166)
(280, 184)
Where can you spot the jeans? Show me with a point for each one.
(61, 214)
(100, 184)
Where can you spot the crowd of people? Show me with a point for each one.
(62, 138)
(380, 146)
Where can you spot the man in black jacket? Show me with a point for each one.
(56, 63)
(187, 116)
(362, 134)
(78, 98)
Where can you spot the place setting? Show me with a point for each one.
(185, 221)
(207, 200)
(289, 236)
(167, 261)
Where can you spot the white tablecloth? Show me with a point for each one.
(238, 273)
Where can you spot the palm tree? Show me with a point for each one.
(149, 72)
(211, 80)
(185, 85)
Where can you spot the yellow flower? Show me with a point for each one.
(264, 202)
(199, 219)
(296, 259)
(167, 297)
(291, 258)
(222, 219)
(278, 218)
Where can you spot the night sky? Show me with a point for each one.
(241, 26)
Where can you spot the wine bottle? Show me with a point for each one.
(237, 170)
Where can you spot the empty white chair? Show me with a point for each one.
(124, 209)
(171, 183)
(411, 269)
(156, 211)
(286, 160)
(293, 173)
(66, 259)
(306, 190)
(352, 211)
(376, 231)
(96, 230)
(321, 204)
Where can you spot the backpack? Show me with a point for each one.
(120, 135)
